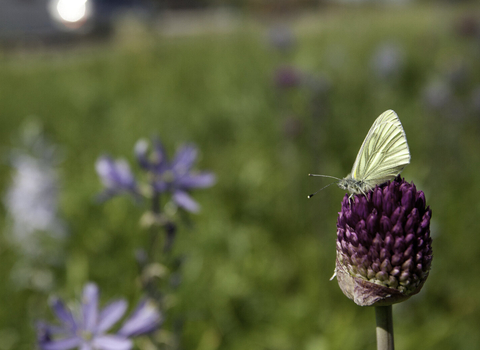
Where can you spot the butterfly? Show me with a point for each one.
(383, 155)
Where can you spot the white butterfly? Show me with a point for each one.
(383, 155)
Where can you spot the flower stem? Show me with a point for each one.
(154, 230)
(383, 316)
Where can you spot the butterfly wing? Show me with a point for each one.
(384, 152)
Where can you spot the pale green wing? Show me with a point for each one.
(384, 152)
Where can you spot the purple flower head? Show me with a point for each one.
(116, 176)
(384, 248)
(282, 38)
(286, 77)
(468, 26)
(175, 176)
(87, 329)
(387, 61)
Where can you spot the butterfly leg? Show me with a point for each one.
(350, 198)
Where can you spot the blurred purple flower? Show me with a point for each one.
(437, 95)
(176, 176)
(286, 77)
(387, 60)
(116, 176)
(468, 26)
(475, 100)
(281, 37)
(87, 330)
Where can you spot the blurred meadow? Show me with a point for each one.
(266, 102)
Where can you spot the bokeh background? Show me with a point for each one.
(269, 92)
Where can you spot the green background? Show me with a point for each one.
(259, 256)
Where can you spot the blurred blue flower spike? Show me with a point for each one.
(116, 176)
(34, 227)
(87, 330)
(175, 177)
(282, 38)
(388, 60)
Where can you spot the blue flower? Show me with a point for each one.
(282, 38)
(116, 176)
(87, 329)
(176, 176)
(388, 60)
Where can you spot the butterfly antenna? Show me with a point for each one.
(331, 177)
(313, 194)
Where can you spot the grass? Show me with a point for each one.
(259, 258)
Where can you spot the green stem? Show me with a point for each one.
(383, 316)
(154, 230)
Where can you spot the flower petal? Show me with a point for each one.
(140, 150)
(144, 319)
(159, 156)
(46, 331)
(184, 159)
(62, 344)
(112, 342)
(64, 314)
(111, 314)
(90, 307)
(201, 180)
(115, 175)
(182, 199)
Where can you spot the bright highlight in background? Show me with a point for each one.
(72, 10)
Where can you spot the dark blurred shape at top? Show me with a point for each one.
(468, 25)
(183, 4)
(54, 19)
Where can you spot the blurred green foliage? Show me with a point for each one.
(259, 256)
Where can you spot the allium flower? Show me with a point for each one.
(87, 329)
(116, 176)
(384, 247)
(176, 176)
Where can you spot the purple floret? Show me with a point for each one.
(176, 176)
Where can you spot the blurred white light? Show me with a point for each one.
(72, 10)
